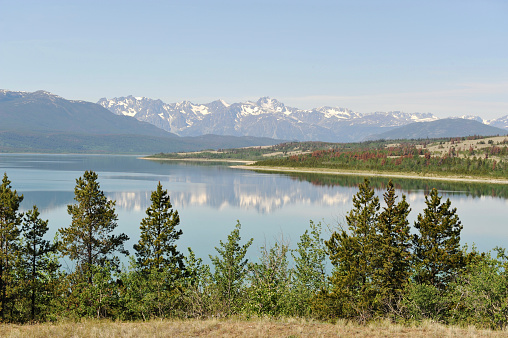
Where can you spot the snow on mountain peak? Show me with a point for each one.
(224, 103)
(265, 117)
(471, 117)
(340, 113)
(270, 104)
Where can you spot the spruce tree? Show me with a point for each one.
(89, 240)
(10, 220)
(160, 266)
(354, 253)
(394, 261)
(35, 252)
(156, 248)
(437, 254)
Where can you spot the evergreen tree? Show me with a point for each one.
(437, 254)
(355, 254)
(395, 258)
(89, 239)
(35, 257)
(230, 270)
(160, 265)
(156, 248)
(10, 220)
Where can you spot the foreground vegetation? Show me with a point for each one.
(381, 272)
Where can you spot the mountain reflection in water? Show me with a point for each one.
(211, 197)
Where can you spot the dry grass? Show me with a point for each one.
(238, 328)
(440, 149)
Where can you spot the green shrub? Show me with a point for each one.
(480, 295)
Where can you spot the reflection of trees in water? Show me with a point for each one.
(264, 193)
(217, 187)
(46, 200)
(472, 189)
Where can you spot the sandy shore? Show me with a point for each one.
(247, 165)
(371, 173)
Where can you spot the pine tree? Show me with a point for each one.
(394, 262)
(437, 254)
(156, 248)
(35, 256)
(89, 240)
(354, 253)
(10, 220)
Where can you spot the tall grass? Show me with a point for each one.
(258, 327)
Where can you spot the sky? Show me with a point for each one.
(446, 57)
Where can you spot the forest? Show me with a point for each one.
(406, 157)
(380, 269)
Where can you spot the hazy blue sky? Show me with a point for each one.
(446, 57)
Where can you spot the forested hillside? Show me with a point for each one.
(470, 156)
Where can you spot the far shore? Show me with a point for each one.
(197, 159)
(247, 165)
(326, 171)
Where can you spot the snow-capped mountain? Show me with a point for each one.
(44, 122)
(472, 117)
(501, 122)
(264, 118)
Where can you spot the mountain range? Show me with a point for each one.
(44, 122)
(451, 127)
(270, 118)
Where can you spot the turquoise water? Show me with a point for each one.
(210, 198)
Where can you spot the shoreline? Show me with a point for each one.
(195, 159)
(325, 171)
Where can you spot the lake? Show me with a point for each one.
(211, 197)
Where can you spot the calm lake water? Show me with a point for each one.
(211, 197)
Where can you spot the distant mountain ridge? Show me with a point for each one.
(451, 127)
(44, 122)
(264, 118)
(42, 111)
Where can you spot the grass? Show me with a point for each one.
(238, 328)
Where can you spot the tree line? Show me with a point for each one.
(380, 269)
(403, 158)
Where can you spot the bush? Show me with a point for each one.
(480, 295)
(424, 301)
